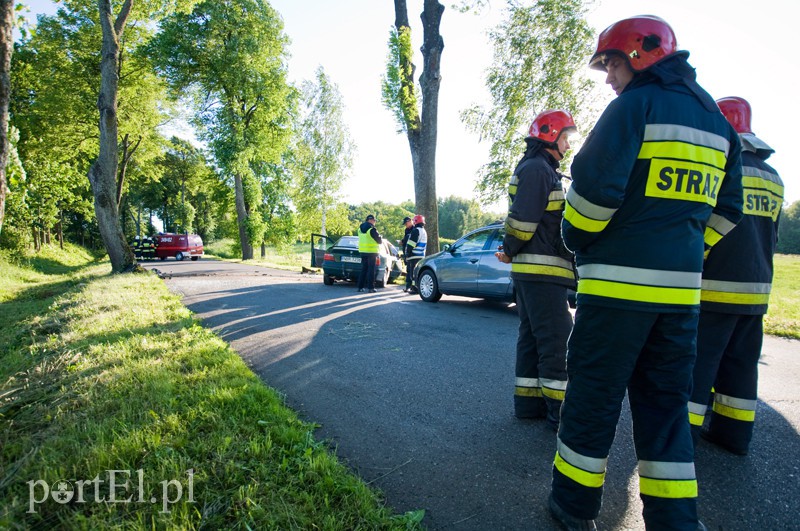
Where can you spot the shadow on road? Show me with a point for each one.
(417, 398)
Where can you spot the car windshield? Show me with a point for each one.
(348, 242)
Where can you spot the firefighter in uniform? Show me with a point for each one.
(415, 249)
(147, 248)
(409, 226)
(657, 182)
(137, 247)
(541, 268)
(734, 299)
(368, 247)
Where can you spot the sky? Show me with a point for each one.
(738, 48)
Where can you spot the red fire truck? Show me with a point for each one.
(179, 245)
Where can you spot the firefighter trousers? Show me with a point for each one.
(544, 327)
(728, 350)
(650, 355)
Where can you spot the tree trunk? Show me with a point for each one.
(6, 48)
(103, 172)
(241, 217)
(127, 154)
(422, 137)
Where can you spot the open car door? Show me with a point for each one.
(319, 244)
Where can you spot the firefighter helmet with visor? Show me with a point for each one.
(548, 125)
(643, 40)
(737, 111)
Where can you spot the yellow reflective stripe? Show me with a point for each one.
(528, 391)
(683, 151)
(686, 134)
(582, 477)
(744, 415)
(579, 221)
(632, 292)
(536, 269)
(733, 413)
(668, 488)
(512, 190)
(555, 394)
(522, 230)
(555, 205)
(695, 419)
(554, 389)
(711, 237)
(734, 298)
(759, 183)
(697, 413)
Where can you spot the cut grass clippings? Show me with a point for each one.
(110, 379)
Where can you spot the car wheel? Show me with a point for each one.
(163, 258)
(195, 258)
(327, 279)
(179, 257)
(381, 282)
(428, 287)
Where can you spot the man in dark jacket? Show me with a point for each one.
(541, 268)
(737, 280)
(369, 241)
(658, 181)
(409, 226)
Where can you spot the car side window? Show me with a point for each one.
(474, 242)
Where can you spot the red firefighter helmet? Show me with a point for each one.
(644, 40)
(418, 219)
(738, 113)
(548, 125)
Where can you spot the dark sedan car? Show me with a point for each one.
(468, 267)
(342, 261)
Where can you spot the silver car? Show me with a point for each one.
(468, 267)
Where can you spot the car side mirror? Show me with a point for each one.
(446, 247)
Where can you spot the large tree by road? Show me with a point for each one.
(231, 56)
(6, 47)
(400, 96)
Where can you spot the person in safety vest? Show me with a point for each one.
(368, 247)
(657, 182)
(415, 250)
(734, 299)
(541, 268)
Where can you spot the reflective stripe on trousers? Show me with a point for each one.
(728, 350)
(611, 351)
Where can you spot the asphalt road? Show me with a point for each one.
(417, 399)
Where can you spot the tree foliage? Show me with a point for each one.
(540, 56)
(231, 56)
(323, 153)
(54, 106)
(789, 229)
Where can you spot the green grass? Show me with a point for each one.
(783, 318)
(293, 258)
(101, 372)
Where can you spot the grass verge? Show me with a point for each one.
(784, 304)
(114, 398)
(292, 258)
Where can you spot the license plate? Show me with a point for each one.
(354, 259)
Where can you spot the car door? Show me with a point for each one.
(457, 274)
(494, 276)
(319, 244)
